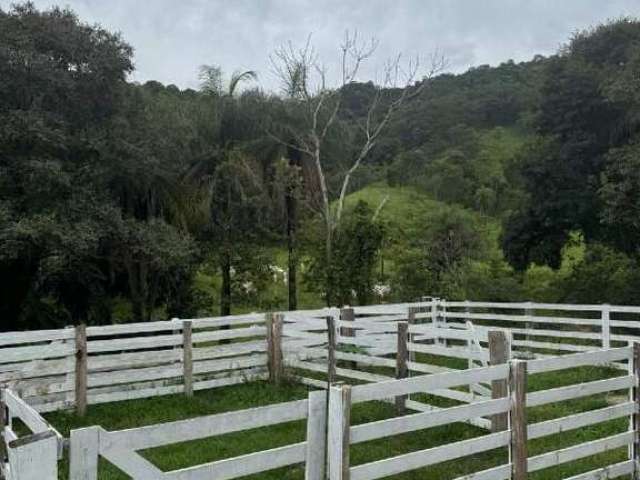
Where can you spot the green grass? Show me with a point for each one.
(136, 413)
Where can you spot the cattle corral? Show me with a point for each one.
(439, 363)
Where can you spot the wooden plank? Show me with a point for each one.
(22, 354)
(535, 399)
(18, 408)
(518, 414)
(16, 338)
(339, 419)
(187, 357)
(598, 357)
(419, 421)
(132, 463)
(402, 358)
(208, 426)
(579, 451)
(427, 383)
(579, 420)
(605, 473)
(231, 334)
(431, 456)
(83, 453)
(242, 466)
(499, 353)
(316, 445)
(81, 370)
(140, 343)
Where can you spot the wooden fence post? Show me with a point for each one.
(348, 314)
(411, 320)
(635, 419)
(528, 325)
(331, 350)
(274, 347)
(187, 357)
(499, 353)
(606, 326)
(84, 448)
(402, 369)
(81, 369)
(3, 423)
(316, 449)
(338, 436)
(518, 414)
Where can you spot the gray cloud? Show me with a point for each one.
(173, 38)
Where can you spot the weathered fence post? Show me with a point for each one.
(84, 448)
(331, 350)
(635, 419)
(81, 369)
(528, 325)
(338, 436)
(606, 326)
(187, 357)
(348, 314)
(411, 320)
(3, 423)
(499, 353)
(518, 414)
(316, 449)
(274, 347)
(402, 368)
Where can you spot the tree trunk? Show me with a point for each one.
(225, 289)
(329, 266)
(292, 267)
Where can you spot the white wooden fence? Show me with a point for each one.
(33, 456)
(332, 433)
(120, 447)
(342, 435)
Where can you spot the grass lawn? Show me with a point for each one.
(128, 414)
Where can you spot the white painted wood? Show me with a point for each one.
(535, 399)
(579, 451)
(15, 338)
(242, 466)
(316, 445)
(420, 421)
(337, 432)
(83, 453)
(202, 427)
(432, 456)
(608, 472)
(572, 422)
(598, 357)
(20, 354)
(502, 472)
(132, 463)
(19, 409)
(606, 327)
(97, 346)
(34, 458)
(427, 383)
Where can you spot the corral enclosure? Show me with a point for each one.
(438, 363)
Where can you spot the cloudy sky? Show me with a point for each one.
(172, 38)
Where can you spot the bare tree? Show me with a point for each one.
(304, 83)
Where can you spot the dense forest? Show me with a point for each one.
(127, 202)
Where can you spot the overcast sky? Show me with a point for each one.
(172, 38)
